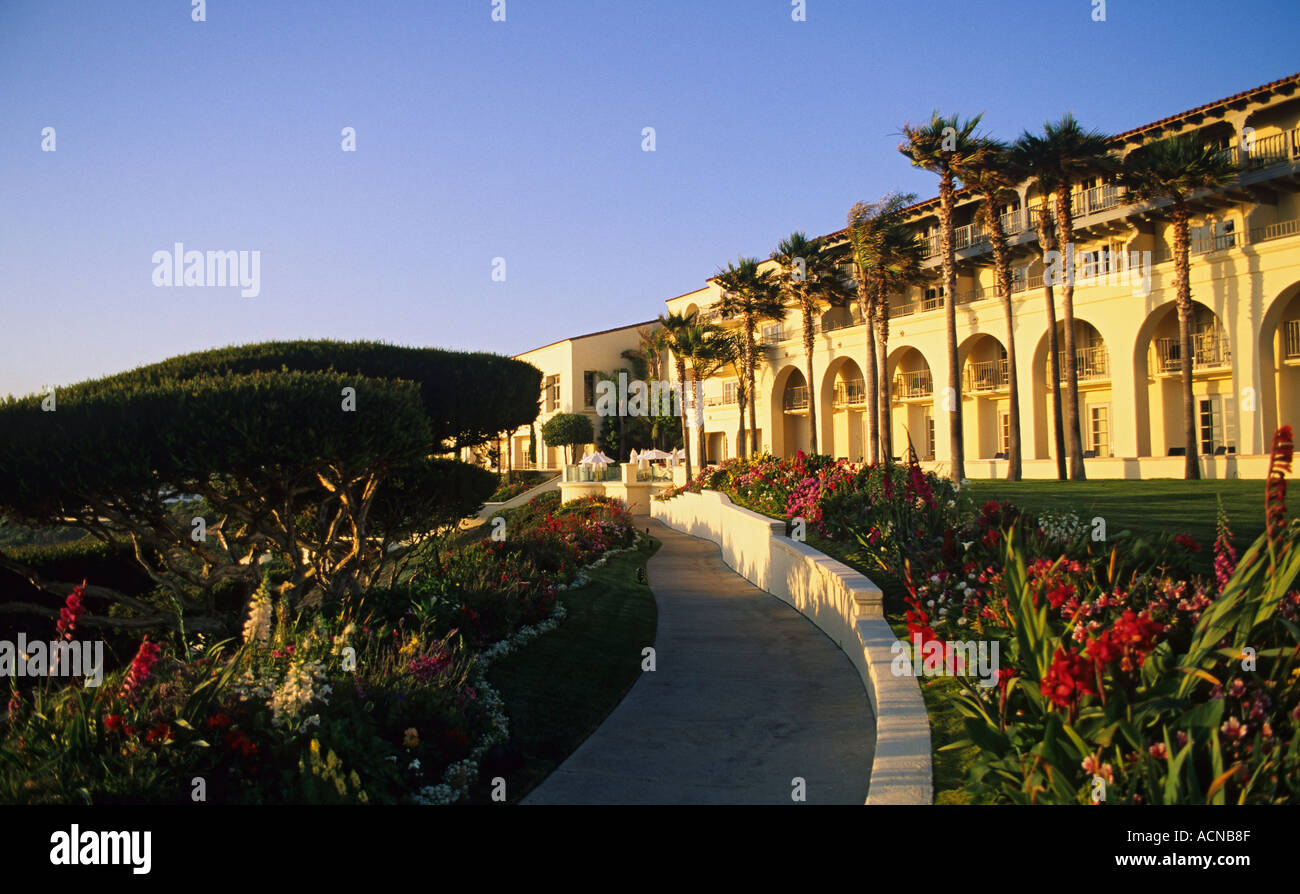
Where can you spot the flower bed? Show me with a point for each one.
(1120, 674)
(378, 700)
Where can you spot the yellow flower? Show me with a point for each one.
(411, 738)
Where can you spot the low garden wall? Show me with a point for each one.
(846, 606)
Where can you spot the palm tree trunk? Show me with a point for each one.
(869, 377)
(1047, 242)
(956, 434)
(742, 401)
(886, 407)
(1073, 437)
(1183, 290)
(686, 436)
(1002, 260)
(750, 363)
(808, 342)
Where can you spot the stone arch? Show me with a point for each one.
(841, 410)
(788, 402)
(1096, 406)
(1278, 401)
(911, 398)
(1158, 393)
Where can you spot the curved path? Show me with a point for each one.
(747, 695)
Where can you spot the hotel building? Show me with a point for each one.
(1245, 282)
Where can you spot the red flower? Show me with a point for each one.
(73, 608)
(239, 743)
(113, 723)
(160, 733)
(141, 668)
(1069, 677)
(220, 720)
(1187, 543)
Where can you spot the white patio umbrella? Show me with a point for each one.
(596, 459)
(655, 453)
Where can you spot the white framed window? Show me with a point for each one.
(1099, 429)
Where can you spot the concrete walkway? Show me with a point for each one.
(747, 695)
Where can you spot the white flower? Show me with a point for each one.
(258, 626)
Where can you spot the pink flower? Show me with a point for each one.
(73, 609)
(141, 668)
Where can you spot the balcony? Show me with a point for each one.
(727, 398)
(913, 385)
(796, 399)
(855, 319)
(986, 376)
(1291, 341)
(1209, 352)
(1264, 152)
(852, 393)
(1091, 364)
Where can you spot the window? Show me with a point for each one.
(772, 333)
(589, 388)
(551, 393)
(1099, 429)
(731, 392)
(929, 435)
(933, 298)
(1004, 434)
(1211, 419)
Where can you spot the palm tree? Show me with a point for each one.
(939, 146)
(1027, 154)
(752, 295)
(859, 217)
(1069, 152)
(810, 280)
(888, 256)
(1173, 169)
(679, 337)
(991, 174)
(714, 350)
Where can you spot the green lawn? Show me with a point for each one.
(560, 687)
(1146, 508)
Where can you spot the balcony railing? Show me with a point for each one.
(1221, 241)
(1209, 351)
(985, 376)
(909, 385)
(1266, 151)
(855, 319)
(852, 393)
(796, 398)
(721, 400)
(593, 472)
(1091, 364)
(1291, 341)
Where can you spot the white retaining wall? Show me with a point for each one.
(847, 607)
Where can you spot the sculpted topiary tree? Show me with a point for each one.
(568, 430)
(320, 455)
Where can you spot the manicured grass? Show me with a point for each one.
(560, 687)
(1147, 508)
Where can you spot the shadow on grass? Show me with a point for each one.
(560, 687)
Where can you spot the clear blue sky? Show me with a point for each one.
(519, 139)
